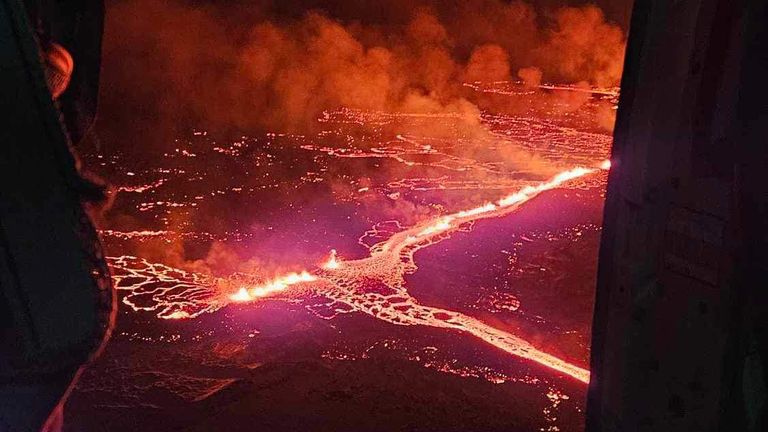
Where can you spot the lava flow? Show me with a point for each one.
(373, 285)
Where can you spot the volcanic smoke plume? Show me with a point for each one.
(259, 65)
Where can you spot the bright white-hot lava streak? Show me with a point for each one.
(375, 285)
(276, 285)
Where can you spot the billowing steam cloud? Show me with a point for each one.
(253, 65)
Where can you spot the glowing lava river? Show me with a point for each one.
(346, 282)
(463, 259)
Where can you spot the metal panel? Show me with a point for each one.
(54, 283)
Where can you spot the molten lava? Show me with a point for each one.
(333, 261)
(350, 284)
(277, 285)
(392, 259)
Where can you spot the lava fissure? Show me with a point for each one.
(350, 282)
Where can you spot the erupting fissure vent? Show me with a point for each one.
(373, 285)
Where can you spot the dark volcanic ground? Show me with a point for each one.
(281, 203)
